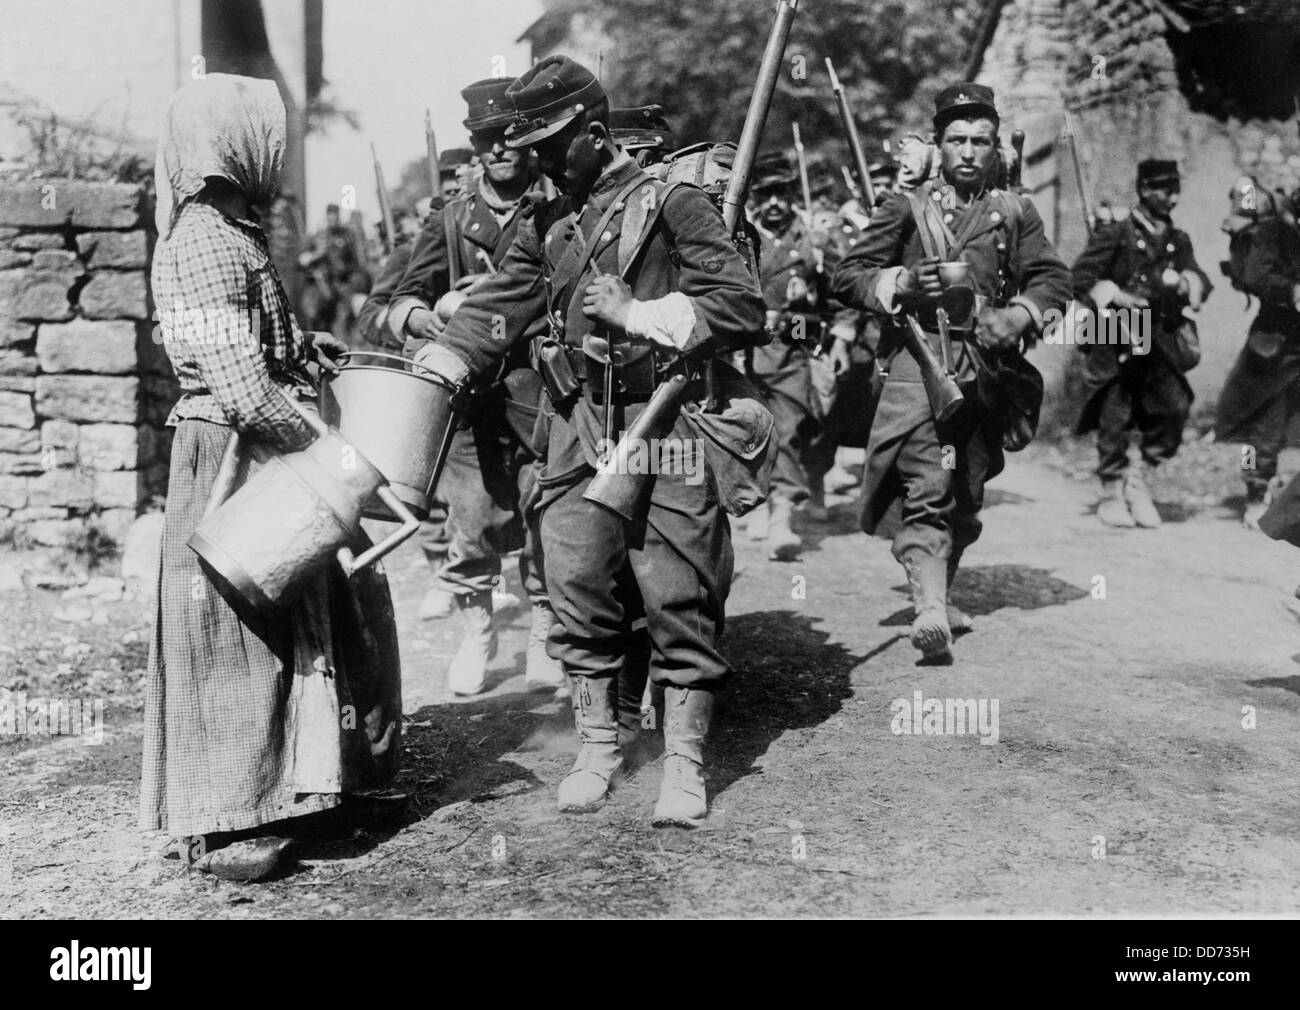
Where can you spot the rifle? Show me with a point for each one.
(385, 208)
(803, 171)
(855, 142)
(614, 487)
(941, 388)
(1067, 135)
(450, 231)
(431, 157)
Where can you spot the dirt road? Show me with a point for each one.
(1141, 757)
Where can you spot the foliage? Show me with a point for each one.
(699, 59)
(78, 151)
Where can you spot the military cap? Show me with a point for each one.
(1156, 172)
(488, 105)
(548, 97)
(773, 168)
(332, 208)
(959, 101)
(883, 169)
(643, 126)
(452, 159)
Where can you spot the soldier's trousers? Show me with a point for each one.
(942, 470)
(487, 481)
(1150, 396)
(603, 573)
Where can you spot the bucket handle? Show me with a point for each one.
(410, 524)
(404, 363)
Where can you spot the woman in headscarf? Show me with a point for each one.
(250, 719)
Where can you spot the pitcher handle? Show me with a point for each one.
(351, 565)
(223, 485)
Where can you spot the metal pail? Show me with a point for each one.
(400, 416)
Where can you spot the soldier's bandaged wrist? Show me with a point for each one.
(669, 320)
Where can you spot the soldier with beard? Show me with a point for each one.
(934, 471)
(490, 472)
(641, 278)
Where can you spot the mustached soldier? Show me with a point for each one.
(490, 470)
(795, 265)
(636, 277)
(1141, 264)
(936, 470)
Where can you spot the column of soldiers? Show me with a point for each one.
(576, 310)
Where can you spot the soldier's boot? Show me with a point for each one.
(1137, 495)
(540, 670)
(1113, 509)
(959, 622)
(783, 544)
(437, 603)
(468, 672)
(683, 801)
(635, 694)
(814, 508)
(1258, 499)
(595, 714)
(928, 578)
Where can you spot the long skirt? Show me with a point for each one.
(250, 717)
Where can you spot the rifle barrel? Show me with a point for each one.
(733, 201)
(385, 208)
(1085, 201)
(851, 134)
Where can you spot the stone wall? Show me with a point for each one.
(84, 388)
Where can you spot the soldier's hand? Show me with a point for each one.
(796, 290)
(328, 348)
(1124, 300)
(919, 282)
(607, 300)
(423, 324)
(1000, 329)
(840, 357)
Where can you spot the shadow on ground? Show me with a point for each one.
(789, 675)
(988, 588)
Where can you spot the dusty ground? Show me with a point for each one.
(1120, 717)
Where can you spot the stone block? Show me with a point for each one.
(115, 294)
(18, 383)
(9, 259)
(116, 522)
(39, 512)
(55, 532)
(13, 492)
(88, 398)
(42, 296)
(121, 250)
(60, 435)
(13, 333)
(22, 464)
(36, 240)
(20, 440)
(72, 489)
(57, 260)
(109, 446)
(54, 203)
(87, 345)
(16, 362)
(117, 489)
(16, 410)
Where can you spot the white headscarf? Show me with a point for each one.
(223, 125)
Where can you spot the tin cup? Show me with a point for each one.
(953, 273)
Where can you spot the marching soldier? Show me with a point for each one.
(1142, 266)
(795, 265)
(935, 470)
(334, 263)
(635, 277)
(643, 133)
(490, 469)
(1259, 399)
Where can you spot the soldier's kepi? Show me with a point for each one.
(490, 472)
(641, 277)
(954, 244)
